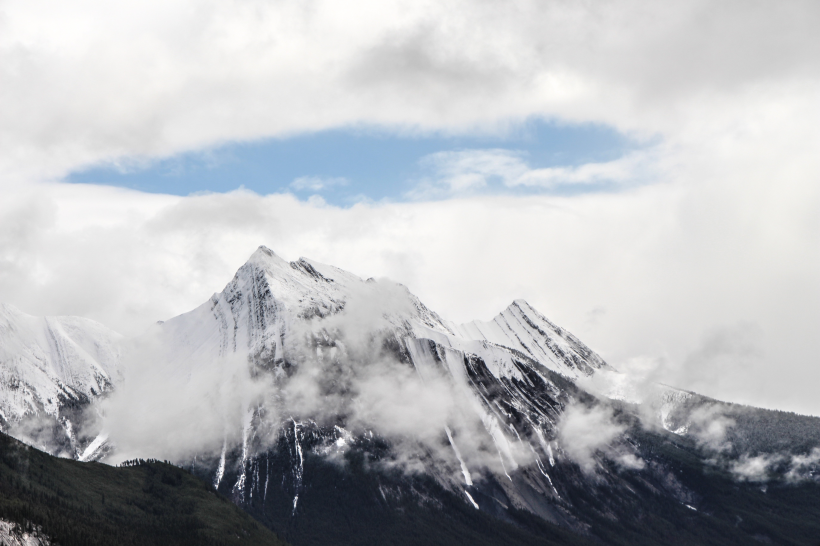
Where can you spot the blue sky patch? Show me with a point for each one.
(345, 166)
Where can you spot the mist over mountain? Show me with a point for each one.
(334, 408)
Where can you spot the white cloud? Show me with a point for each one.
(155, 413)
(754, 469)
(709, 426)
(99, 81)
(470, 169)
(467, 172)
(797, 467)
(625, 169)
(316, 183)
(728, 235)
(584, 432)
(804, 466)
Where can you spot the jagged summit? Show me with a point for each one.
(50, 364)
(296, 367)
(300, 283)
(269, 297)
(523, 328)
(266, 257)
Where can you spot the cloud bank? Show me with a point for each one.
(722, 233)
(760, 468)
(670, 266)
(97, 82)
(184, 405)
(584, 432)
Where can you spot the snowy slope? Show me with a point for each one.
(266, 317)
(49, 367)
(269, 298)
(274, 314)
(524, 329)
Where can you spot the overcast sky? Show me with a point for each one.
(645, 174)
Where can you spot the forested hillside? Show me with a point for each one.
(90, 504)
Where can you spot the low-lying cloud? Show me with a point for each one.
(467, 172)
(709, 426)
(761, 468)
(161, 411)
(584, 432)
(181, 403)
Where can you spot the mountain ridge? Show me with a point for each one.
(299, 375)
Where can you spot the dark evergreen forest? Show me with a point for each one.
(93, 504)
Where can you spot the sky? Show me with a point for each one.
(644, 174)
(350, 165)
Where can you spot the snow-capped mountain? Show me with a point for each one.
(503, 376)
(332, 407)
(50, 368)
(270, 299)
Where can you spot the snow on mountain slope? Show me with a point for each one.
(50, 366)
(524, 329)
(333, 348)
(296, 365)
(270, 299)
(273, 315)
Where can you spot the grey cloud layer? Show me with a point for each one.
(717, 251)
(690, 283)
(102, 82)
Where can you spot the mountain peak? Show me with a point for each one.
(303, 269)
(266, 257)
(521, 327)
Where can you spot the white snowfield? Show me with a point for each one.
(270, 298)
(48, 362)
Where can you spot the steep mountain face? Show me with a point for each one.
(356, 372)
(270, 297)
(341, 410)
(282, 317)
(50, 369)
